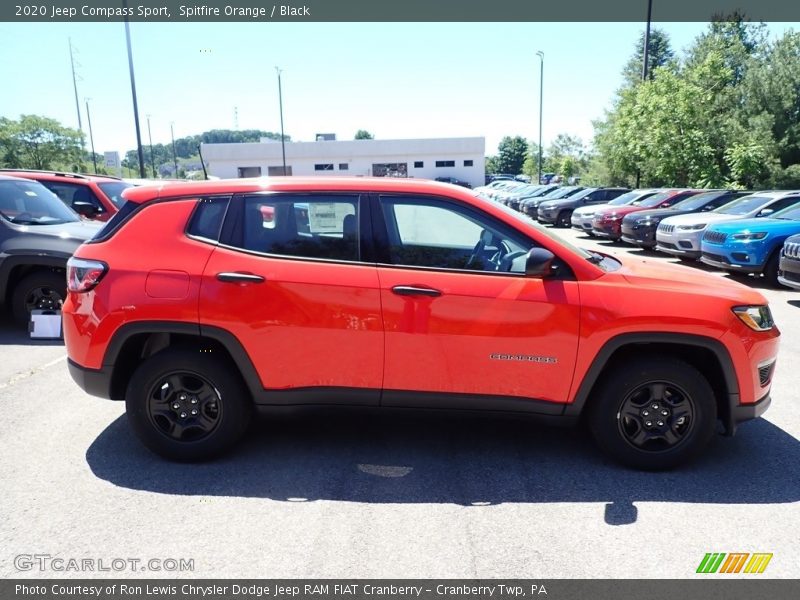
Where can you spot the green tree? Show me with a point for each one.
(511, 154)
(660, 54)
(363, 134)
(36, 142)
(491, 164)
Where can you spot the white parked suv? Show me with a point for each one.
(681, 235)
(583, 215)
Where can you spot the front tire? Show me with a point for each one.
(41, 290)
(653, 414)
(564, 219)
(186, 405)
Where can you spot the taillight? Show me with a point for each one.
(83, 275)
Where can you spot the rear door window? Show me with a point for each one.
(304, 226)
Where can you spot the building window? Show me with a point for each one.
(278, 171)
(445, 163)
(418, 164)
(324, 167)
(344, 167)
(249, 171)
(467, 163)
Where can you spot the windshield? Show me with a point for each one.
(113, 189)
(699, 201)
(558, 193)
(742, 206)
(30, 203)
(582, 193)
(629, 197)
(653, 201)
(790, 214)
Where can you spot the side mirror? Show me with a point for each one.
(85, 209)
(539, 262)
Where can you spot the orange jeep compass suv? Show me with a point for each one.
(200, 302)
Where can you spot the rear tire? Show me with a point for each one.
(653, 414)
(187, 406)
(42, 290)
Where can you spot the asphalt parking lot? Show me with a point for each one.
(371, 496)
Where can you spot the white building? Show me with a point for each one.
(462, 158)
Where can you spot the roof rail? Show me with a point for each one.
(59, 173)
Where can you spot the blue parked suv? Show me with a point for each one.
(751, 245)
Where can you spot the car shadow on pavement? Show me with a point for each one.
(795, 303)
(13, 334)
(467, 461)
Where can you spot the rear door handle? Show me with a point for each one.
(413, 290)
(236, 277)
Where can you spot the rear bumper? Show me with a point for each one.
(95, 382)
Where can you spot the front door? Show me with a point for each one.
(462, 320)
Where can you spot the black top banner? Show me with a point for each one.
(37, 11)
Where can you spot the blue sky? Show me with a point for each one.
(397, 80)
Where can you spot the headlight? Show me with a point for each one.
(758, 318)
(697, 227)
(750, 236)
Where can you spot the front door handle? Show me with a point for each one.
(236, 277)
(413, 290)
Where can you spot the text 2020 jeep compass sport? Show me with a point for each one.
(199, 302)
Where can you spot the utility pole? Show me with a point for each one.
(174, 154)
(75, 86)
(150, 139)
(540, 54)
(142, 173)
(280, 103)
(91, 135)
(645, 65)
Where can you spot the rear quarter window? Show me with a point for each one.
(206, 220)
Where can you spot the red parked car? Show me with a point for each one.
(196, 309)
(607, 223)
(96, 197)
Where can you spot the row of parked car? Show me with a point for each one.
(44, 217)
(752, 232)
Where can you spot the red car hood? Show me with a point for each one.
(657, 274)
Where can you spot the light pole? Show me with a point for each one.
(540, 54)
(150, 138)
(280, 104)
(91, 135)
(133, 93)
(646, 53)
(647, 40)
(174, 154)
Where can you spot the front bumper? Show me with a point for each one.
(683, 244)
(606, 230)
(740, 413)
(643, 236)
(789, 272)
(546, 217)
(722, 258)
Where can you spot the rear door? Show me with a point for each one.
(462, 320)
(288, 280)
